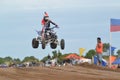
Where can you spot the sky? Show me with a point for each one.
(80, 22)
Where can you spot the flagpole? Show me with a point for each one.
(110, 50)
(110, 45)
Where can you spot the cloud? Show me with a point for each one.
(33, 4)
(54, 4)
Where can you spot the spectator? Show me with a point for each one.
(99, 50)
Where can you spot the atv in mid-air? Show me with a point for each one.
(50, 37)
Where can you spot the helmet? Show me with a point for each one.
(46, 17)
(46, 14)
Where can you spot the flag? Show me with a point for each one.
(81, 50)
(112, 50)
(115, 25)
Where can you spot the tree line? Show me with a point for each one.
(55, 54)
(9, 60)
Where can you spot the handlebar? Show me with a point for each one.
(54, 27)
(38, 32)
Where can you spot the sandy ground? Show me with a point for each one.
(58, 73)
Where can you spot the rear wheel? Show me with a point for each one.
(53, 45)
(62, 43)
(35, 43)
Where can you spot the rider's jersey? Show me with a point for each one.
(47, 23)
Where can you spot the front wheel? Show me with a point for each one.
(62, 43)
(35, 43)
(53, 45)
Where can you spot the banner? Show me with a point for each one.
(81, 50)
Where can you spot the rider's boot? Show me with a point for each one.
(43, 37)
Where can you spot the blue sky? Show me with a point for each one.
(80, 22)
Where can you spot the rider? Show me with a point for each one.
(46, 23)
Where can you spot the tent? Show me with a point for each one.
(83, 60)
(75, 56)
(117, 61)
(112, 59)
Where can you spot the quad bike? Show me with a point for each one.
(50, 37)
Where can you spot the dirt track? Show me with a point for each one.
(57, 73)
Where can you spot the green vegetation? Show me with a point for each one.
(118, 52)
(106, 47)
(90, 53)
(30, 59)
(9, 60)
(55, 54)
